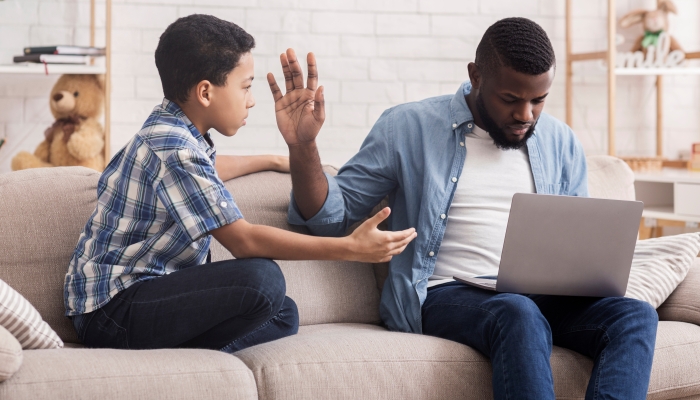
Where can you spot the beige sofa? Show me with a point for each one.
(341, 351)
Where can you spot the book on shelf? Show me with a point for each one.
(66, 50)
(52, 59)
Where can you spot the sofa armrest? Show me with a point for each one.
(684, 303)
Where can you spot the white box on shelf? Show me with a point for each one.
(687, 199)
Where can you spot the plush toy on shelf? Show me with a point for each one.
(654, 22)
(76, 138)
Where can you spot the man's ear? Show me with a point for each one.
(203, 93)
(474, 75)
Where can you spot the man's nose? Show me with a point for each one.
(523, 112)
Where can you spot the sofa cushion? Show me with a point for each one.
(610, 178)
(74, 373)
(43, 211)
(10, 354)
(325, 291)
(660, 265)
(684, 303)
(21, 319)
(350, 361)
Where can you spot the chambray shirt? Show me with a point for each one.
(156, 202)
(415, 154)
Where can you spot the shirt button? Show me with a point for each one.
(443, 216)
(470, 125)
(461, 144)
(454, 126)
(454, 179)
(431, 253)
(224, 204)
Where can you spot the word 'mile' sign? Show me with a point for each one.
(656, 56)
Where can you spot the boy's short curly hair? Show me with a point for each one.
(196, 48)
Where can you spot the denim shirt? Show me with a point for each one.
(414, 154)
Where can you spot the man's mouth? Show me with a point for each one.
(519, 130)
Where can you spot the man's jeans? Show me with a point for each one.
(517, 333)
(227, 305)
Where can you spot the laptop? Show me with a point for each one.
(566, 246)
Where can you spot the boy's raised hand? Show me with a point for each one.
(372, 245)
(300, 112)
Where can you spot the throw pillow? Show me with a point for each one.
(10, 355)
(23, 321)
(660, 265)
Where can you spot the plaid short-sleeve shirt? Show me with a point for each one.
(156, 202)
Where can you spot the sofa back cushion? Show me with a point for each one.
(610, 178)
(325, 291)
(42, 213)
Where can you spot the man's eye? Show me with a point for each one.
(539, 101)
(509, 101)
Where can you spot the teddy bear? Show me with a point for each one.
(76, 138)
(654, 22)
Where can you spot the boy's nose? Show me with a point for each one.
(251, 101)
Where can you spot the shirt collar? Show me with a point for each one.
(459, 110)
(174, 109)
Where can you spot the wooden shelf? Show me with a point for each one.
(49, 69)
(666, 213)
(103, 68)
(668, 175)
(610, 56)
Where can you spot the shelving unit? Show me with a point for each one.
(610, 57)
(47, 69)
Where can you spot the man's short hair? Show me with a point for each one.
(196, 48)
(518, 43)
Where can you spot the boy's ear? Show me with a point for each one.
(202, 93)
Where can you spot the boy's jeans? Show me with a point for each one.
(517, 333)
(227, 305)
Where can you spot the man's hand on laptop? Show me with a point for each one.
(369, 244)
(300, 112)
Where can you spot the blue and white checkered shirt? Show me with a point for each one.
(156, 202)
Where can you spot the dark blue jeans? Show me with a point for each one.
(227, 305)
(517, 333)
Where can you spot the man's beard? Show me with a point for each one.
(499, 137)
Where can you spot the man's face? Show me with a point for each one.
(509, 104)
(230, 103)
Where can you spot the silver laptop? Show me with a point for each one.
(562, 245)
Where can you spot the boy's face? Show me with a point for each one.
(230, 103)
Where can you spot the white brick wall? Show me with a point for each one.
(372, 54)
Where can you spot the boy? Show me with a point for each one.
(138, 277)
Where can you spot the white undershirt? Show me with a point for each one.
(478, 216)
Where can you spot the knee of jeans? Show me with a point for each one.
(518, 310)
(637, 314)
(289, 313)
(275, 287)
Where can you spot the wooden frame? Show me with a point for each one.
(609, 56)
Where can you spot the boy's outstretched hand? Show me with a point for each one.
(372, 245)
(300, 112)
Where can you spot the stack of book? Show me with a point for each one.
(59, 54)
(694, 163)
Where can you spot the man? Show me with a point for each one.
(460, 159)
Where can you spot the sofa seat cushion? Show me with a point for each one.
(78, 373)
(351, 361)
(324, 291)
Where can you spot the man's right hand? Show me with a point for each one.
(300, 112)
(369, 244)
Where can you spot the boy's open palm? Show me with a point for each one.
(300, 112)
(373, 245)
